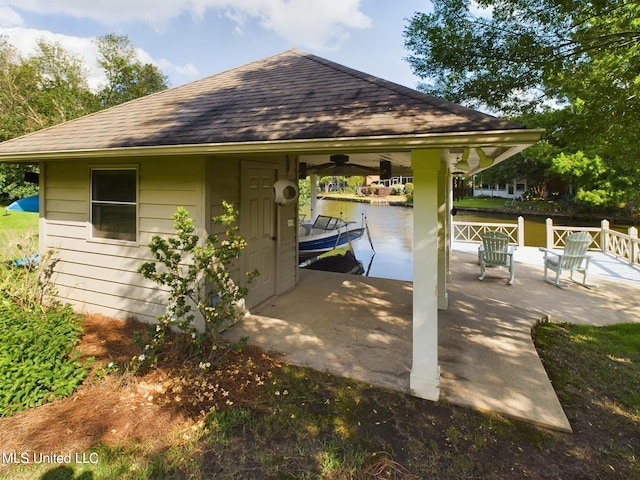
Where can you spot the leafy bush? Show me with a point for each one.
(408, 188)
(196, 274)
(37, 360)
(397, 190)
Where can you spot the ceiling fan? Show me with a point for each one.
(339, 163)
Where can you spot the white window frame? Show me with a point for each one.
(135, 203)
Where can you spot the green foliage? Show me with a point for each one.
(51, 86)
(587, 174)
(127, 77)
(196, 276)
(37, 361)
(44, 89)
(12, 184)
(408, 188)
(354, 182)
(568, 66)
(304, 195)
(325, 182)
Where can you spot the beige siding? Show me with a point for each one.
(99, 276)
(287, 249)
(288, 244)
(224, 184)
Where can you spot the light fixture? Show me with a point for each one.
(485, 160)
(463, 163)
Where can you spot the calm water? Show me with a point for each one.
(391, 231)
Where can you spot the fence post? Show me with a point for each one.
(549, 233)
(604, 235)
(520, 231)
(633, 235)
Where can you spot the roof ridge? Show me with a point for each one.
(439, 102)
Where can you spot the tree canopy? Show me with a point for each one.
(51, 87)
(127, 76)
(570, 66)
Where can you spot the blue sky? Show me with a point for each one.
(191, 39)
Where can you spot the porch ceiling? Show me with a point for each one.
(466, 160)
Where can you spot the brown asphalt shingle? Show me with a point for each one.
(289, 96)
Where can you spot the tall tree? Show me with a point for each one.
(127, 77)
(61, 91)
(47, 88)
(526, 56)
(50, 87)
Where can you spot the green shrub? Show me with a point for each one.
(37, 360)
(408, 188)
(196, 274)
(397, 190)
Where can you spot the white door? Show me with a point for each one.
(258, 223)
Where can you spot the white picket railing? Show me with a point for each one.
(473, 231)
(621, 245)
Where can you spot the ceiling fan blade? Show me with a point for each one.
(341, 168)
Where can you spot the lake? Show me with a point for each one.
(391, 229)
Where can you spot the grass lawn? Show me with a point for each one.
(17, 221)
(481, 202)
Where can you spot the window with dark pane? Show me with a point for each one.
(114, 204)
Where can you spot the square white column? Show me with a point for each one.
(425, 372)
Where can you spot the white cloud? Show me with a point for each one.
(9, 17)
(307, 23)
(314, 24)
(25, 41)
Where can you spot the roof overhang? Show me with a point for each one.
(498, 145)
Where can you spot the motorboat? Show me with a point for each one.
(326, 233)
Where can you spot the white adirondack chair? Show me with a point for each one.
(573, 259)
(495, 251)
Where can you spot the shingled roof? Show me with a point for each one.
(290, 96)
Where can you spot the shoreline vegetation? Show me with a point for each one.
(496, 205)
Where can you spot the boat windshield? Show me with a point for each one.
(324, 222)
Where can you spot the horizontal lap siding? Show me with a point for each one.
(101, 277)
(224, 175)
(224, 185)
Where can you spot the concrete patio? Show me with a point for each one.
(361, 327)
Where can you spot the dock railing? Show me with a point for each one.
(473, 231)
(625, 246)
(620, 245)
